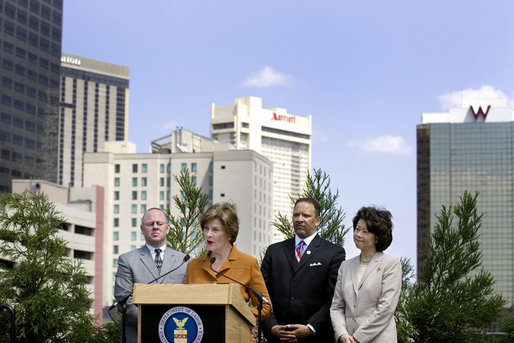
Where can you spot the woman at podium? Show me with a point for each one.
(224, 263)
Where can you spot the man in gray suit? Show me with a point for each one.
(145, 264)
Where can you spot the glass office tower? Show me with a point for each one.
(471, 148)
(30, 43)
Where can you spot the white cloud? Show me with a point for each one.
(267, 77)
(455, 98)
(394, 145)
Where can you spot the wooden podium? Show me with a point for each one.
(222, 310)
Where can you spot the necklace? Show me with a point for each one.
(363, 261)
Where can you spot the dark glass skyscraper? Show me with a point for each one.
(471, 149)
(30, 51)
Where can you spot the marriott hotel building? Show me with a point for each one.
(471, 148)
(283, 138)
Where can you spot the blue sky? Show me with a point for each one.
(364, 70)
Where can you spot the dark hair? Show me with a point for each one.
(378, 222)
(227, 215)
(314, 202)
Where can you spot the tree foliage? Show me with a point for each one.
(331, 227)
(185, 233)
(454, 298)
(403, 327)
(45, 287)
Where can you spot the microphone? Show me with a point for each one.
(184, 260)
(124, 300)
(255, 292)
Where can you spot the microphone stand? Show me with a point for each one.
(123, 302)
(257, 294)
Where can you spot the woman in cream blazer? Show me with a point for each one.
(368, 286)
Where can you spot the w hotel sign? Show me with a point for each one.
(480, 112)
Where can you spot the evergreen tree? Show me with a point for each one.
(46, 288)
(331, 227)
(454, 298)
(403, 327)
(185, 232)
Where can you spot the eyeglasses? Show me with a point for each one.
(151, 224)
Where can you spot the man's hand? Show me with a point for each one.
(291, 332)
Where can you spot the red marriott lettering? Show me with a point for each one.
(480, 112)
(281, 117)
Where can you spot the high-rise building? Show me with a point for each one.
(93, 110)
(283, 138)
(135, 182)
(471, 148)
(30, 43)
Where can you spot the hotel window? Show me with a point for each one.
(193, 167)
(115, 262)
(183, 166)
(193, 180)
(115, 249)
(115, 236)
(143, 195)
(134, 168)
(161, 182)
(168, 168)
(134, 195)
(144, 168)
(133, 236)
(133, 247)
(161, 195)
(143, 208)
(134, 182)
(116, 209)
(116, 222)
(116, 195)
(143, 181)
(142, 237)
(134, 209)
(116, 168)
(134, 222)
(116, 182)
(162, 168)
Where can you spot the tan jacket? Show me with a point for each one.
(239, 266)
(365, 309)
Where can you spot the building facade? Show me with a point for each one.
(93, 109)
(471, 148)
(283, 138)
(135, 182)
(30, 45)
(82, 210)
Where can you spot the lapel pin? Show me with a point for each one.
(308, 252)
(378, 269)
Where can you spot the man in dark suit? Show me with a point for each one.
(300, 274)
(145, 264)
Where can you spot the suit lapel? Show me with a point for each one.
(168, 262)
(309, 252)
(146, 258)
(373, 264)
(354, 272)
(288, 250)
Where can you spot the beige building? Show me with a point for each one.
(93, 109)
(82, 209)
(282, 137)
(134, 182)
